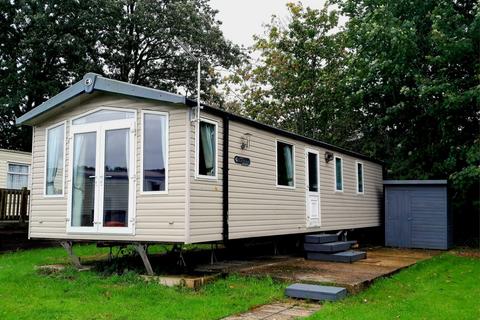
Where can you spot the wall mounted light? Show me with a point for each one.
(245, 141)
(328, 156)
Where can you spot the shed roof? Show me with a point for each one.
(93, 82)
(415, 182)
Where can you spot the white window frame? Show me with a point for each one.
(167, 129)
(95, 230)
(28, 165)
(197, 146)
(335, 174)
(64, 123)
(276, 165)
(363, 176)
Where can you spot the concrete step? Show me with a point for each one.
(344, 256)
(321, 238)
(315, 292)
(336, 246)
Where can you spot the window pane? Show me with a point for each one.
(312, 172)
(54, 176)
(104, 115)
(116, 185)
(207, 149)
(154, 152)
(338, 174)
(17, 168)
(285, 170)
(17, 181)
(83, 179)
(360, 177)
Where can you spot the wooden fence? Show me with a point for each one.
(14, 204)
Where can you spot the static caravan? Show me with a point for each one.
(114, 161)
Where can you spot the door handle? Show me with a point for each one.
(107, 177)
(91, 177)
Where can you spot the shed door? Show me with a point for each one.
(399, 219)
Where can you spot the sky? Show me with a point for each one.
(241, 19)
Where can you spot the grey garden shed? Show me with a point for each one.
(417, 214)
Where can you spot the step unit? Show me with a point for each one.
(321, 238)
(344, 256)
(336, 246)
(315, 292)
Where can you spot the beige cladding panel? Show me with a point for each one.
(159, 217)
(206, 194)
(257, 207)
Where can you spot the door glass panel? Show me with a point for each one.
(116, 183)
(312, 172)
(104, 115)
(83, 179)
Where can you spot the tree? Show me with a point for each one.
(141, 44)
(47, 45)
(297, 82)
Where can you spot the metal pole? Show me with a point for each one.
(198, 92)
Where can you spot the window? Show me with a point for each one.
(104, 115)
(285, 165)
(55, 159)
(17, 176)
(155, 152)
(312, 172)
(359, 177)
(338, 174)
(207, 149)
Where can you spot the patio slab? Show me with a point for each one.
(380, 262)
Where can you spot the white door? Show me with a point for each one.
(102, 186)
(312, 178)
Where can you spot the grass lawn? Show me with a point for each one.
(24, 294)
(445, 287)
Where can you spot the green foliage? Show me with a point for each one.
(445, 287)
(297, 81)
(47, 45)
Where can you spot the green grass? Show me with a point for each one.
(25, 294)
(445, 287)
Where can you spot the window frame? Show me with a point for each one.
(363, 176)
(61, 195)
(142, 149)
(335, 174)
(276, 165)
(28, 174)
(199, 176)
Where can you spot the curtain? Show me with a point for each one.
(287, 153)
(17, 177)
(78, 179)
(207, 136)
(164, 142)
(54, 159)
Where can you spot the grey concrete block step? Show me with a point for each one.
(315, 292)
(344, 256)
(321, 238)
(336, 246)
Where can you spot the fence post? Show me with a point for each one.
(3, 209)
(24, 205)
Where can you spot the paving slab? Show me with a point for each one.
(278, 311)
